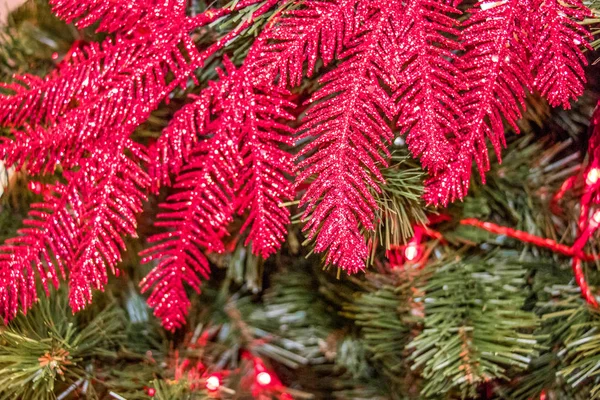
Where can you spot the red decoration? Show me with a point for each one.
(430, 83)
(575, 251)
(388, 61)
(351, 137)
(496, 73)
(557, 62)
(569, 251)
(238, 168)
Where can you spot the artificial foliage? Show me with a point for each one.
(66, 345)
(448, 82)
(324, 199)
(457, 325)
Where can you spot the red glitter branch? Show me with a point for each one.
(238, 166)
(101, 94)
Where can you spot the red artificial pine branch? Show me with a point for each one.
(558, 61)
(41, 249)
(38, 101)
(261, 183)
(115, 15)
(194, 218)
(348, 143)
(78, 228)
(115, 87)
(241, 162)
(429, 82)
(314, 32)
(112, 193)
(496, 72)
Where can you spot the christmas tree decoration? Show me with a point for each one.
(255, 173)
(428, 94)
(496, 73)
(450, 84)
(222, 157)
(558, 61)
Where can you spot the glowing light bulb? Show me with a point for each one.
(596, 217)
(213, 382)
(593, 176)
(411, 251)
(263, 378)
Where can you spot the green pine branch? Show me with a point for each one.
(49, 349)
(563, 315)
(399, 200)
(574, 329)
(475, 328)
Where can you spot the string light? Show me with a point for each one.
(593, 176)
(263, 378)
(213, 382)
(411, 251)
(596, 217)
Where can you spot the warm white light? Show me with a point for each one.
(596, 217)
(263, 378)
(213, 382)
(593, 176)
(411, 251)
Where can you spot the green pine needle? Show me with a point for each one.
(49, 349)
(475, 328)
(399, 200)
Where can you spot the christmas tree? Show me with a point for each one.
(325, 199)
